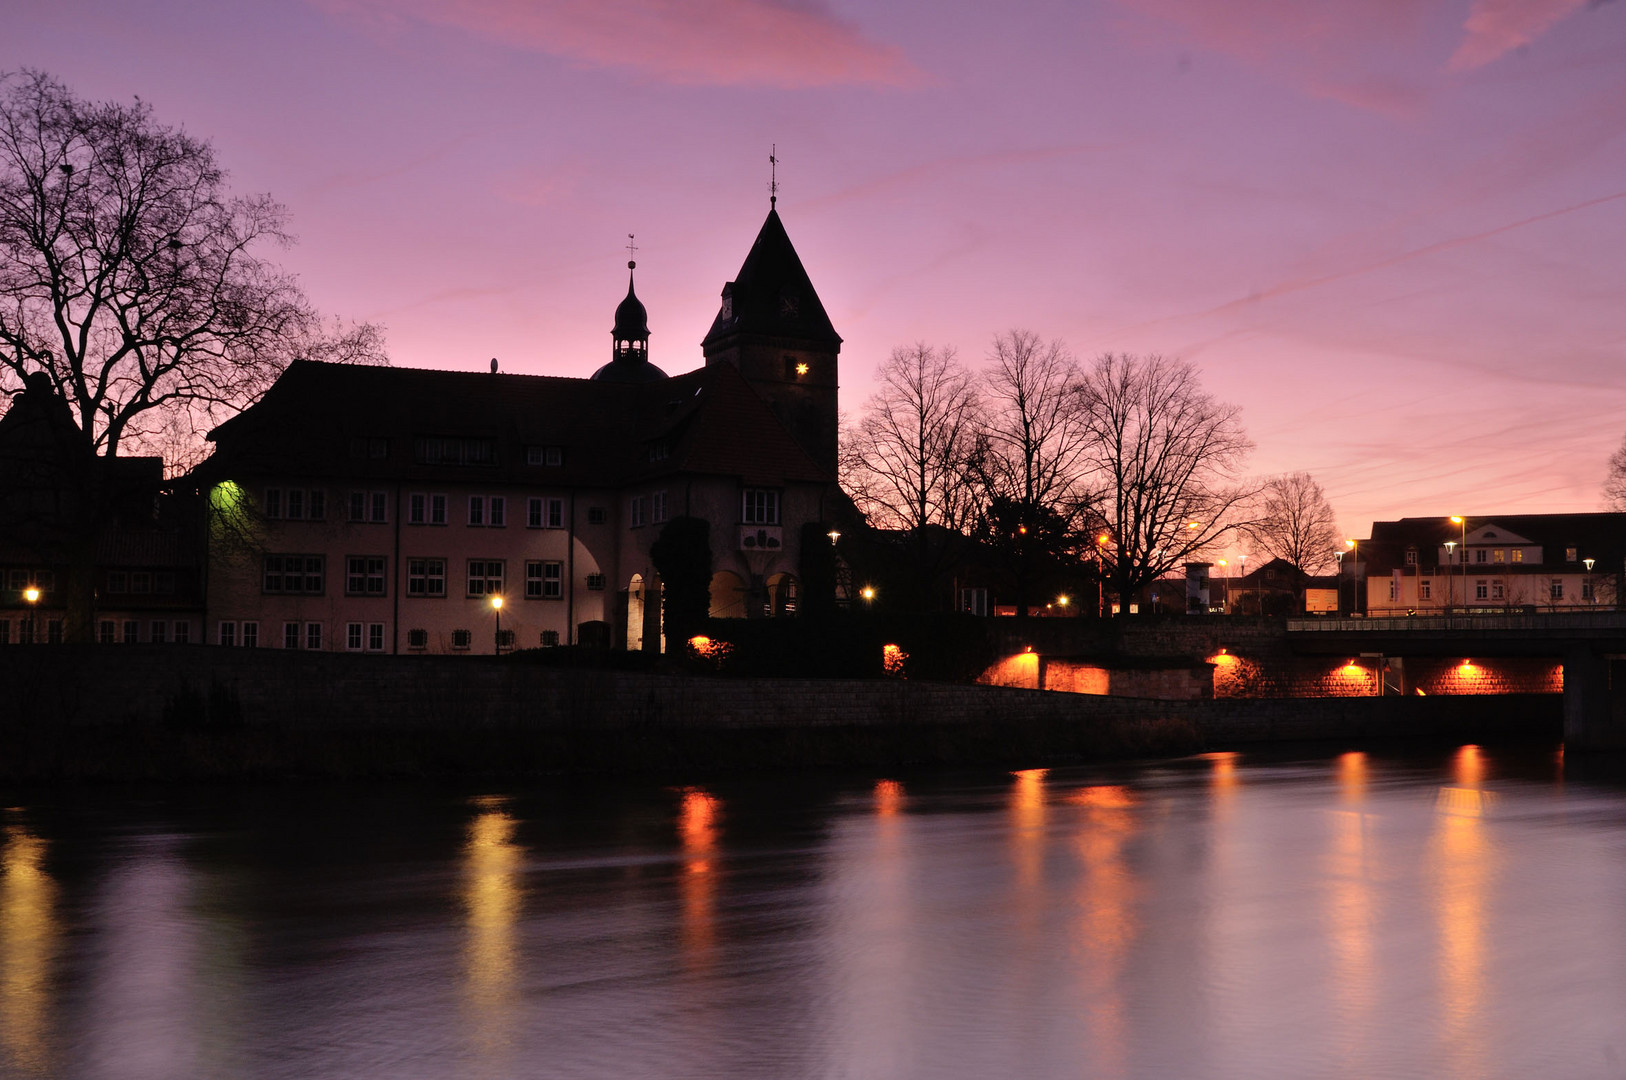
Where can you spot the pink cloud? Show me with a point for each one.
(694, 42)
(1497, 27)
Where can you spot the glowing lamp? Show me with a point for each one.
(31, 594)
(801, 369)
(867, 592)
(1456, 520)
(834, 535)
(496, 602)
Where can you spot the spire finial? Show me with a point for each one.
(773, 175)
(632, 249)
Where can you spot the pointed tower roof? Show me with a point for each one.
(631, 320)
(772, 295)
(630, 341)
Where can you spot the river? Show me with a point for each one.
(1459, 913)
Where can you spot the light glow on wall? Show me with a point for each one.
(893, 660)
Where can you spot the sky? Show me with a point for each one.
(1393, 231)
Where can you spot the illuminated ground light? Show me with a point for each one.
(705, 648)
(1352, 674)
(893, 660)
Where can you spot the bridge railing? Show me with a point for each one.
(1557, 620)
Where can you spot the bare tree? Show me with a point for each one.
(1169, 457)
(131, 276)
(1614, 484)
(1036, 440)
(907, 461)
(1295, 522)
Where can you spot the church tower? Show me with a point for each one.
(772, 327)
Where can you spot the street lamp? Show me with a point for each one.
(868, 593)
(1225, 577)
(1455, 520)
(1450, 578)
(32, 595)
(496, 606)
(834, 535)
(1591, 593)
(1354, 578)
(1242, 572)
(1339, 555)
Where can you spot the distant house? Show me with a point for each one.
(384, 509)
(1500, 563)
(87, 537)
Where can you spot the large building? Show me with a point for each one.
(1501, 563)
(383, 509)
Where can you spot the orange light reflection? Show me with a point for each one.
(1106, 924)
(28, 942)
(697, 830)
(1463, 865)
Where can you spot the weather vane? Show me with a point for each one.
(773, 174)
(632, 250)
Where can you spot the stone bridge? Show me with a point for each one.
(1591, 646)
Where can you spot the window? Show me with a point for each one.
(545, 513)
(163, 583)
(417, 508)
(553, 456)
(477, 509)
(298, 504)
(375, 637)
(443, 451)
(759, 506)
(107, 632)
(437, 509)
(505, 639)
(595, 582)
(1479, 555)
(1411, 556)
(461, 639)
(290, 635)
(544, 580)
(1558, 589)
(313, 635)
(426, 577)
(636, 511)
(369, 506)
(1498, 555)
(118, 581)
(251, 635)
(417, 639)
(1518, 554)
(660, 450)
(1394, 593)
(227, 634)
(1570, 553)
(53, 632)
(595, 515)
(141, 582)
(1586, 590)
(273, 502)
(1481, 589)
(364, 575)
(550, 639)
(658, 513)
(183, 632)
(498, 507)
(25, 632)
(353, 636)
(1498, 590)
(1425, 589)
(294, 574)
(485, 577)
(974, 601)
(132, 631)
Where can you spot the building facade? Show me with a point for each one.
(1502, 563)
(393, 510)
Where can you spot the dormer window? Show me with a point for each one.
(1411, 556)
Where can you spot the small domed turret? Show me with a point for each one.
(629, 354)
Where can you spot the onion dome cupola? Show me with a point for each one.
(629, 354)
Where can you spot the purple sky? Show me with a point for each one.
(1393, 231)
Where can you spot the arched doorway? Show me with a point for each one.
(727, 596)
(635, 613)
(782, 592)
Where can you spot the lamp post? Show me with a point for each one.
(1354, 577)
(1242, 572)
(32, 595)
(1591, 593)
(1451, 576)
(496, 606)
(1225, 576)
(1462, 521)
(1339, 555)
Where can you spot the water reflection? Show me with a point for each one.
(491, 901)
(698, 819)
(1351, 917)
(1463, 869)
(1106, 921)
(28, 940)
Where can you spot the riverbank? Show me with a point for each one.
(218, 714)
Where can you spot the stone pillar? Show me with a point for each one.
(1589, 722)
